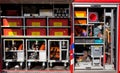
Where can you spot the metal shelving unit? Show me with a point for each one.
(88, 44)
(85, 37)
(36, 22)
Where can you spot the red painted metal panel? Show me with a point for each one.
(71, 54)
(104, 1)
(119, 39)
(71, 42)
(0, 59)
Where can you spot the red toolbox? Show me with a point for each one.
(12, 32)
(58, 32)
(12, 22)
(36, 22)
(58, 22)
(36, 32)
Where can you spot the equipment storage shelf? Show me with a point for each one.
(92, 33)
(36, 52)
(14, 53)
(35, 24)
(58, 52)
(88, 32)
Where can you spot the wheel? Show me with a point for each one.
(51, 65)
(21, 65)
(29, 65)
(7, 64)
(43, 65)
(65, 66)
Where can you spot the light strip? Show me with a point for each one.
(82, 5)
(108, 5)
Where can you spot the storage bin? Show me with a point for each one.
(12, 32)
(81, 21)
(12, 22)
(58, 22)
(36, 32)
(36, 22)
(20, 56)
(58, 32)
(96, 51)
(98, 41)
(80, 13)
(42, 56)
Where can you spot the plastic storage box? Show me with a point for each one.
(12, 22)
(81, 21)
(58, 32)
(36, 32)
(36, 22)
(12, 32)
(80, 13)
(58, 22)
(96, 51)
(98, 41)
